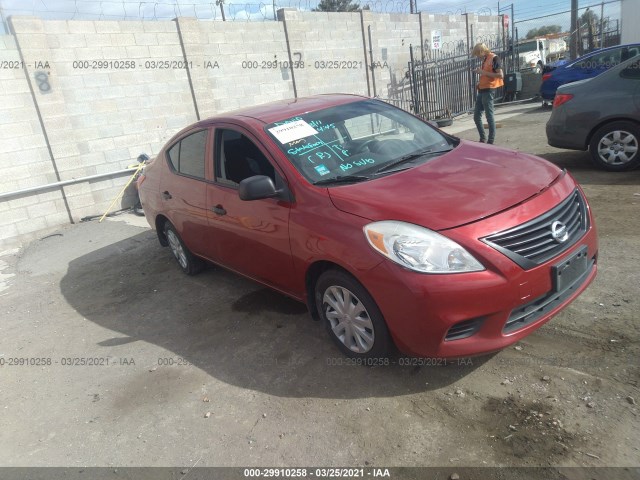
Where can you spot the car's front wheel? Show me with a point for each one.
(189, 263)
(351, 316)
(614, 146)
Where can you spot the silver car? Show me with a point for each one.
(601, 114)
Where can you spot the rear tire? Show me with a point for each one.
(614, 146)
(352, 318)
(189, 263)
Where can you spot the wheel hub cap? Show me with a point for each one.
(177, 249)
(618, 147)
(349, 319)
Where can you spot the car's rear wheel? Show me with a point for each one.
(351, 316)
(189, 263)
(614, 146)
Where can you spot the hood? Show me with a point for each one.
(471, 182)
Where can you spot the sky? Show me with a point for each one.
(257, 10)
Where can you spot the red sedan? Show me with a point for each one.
(391, 231)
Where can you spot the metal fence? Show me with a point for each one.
(596, 26)
(443, 85)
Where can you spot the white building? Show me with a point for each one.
(630, 20)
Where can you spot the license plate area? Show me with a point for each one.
(569, 270)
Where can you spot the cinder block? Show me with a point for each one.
(27, 24)
(98, 39)
(169, 38)
(15, 130)
(58, 219)
(138, 52)
(159, 26)
(123, 39)
(42, 210)
(56, 27)
(32, 41)
(146, 38)
(22, 201)
(107, 26)
(6, 233)
(97, 79)
(81, 26)
(31, 225)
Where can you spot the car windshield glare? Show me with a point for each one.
(357, 138)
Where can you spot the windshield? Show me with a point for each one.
(528, 47)
(353, 140)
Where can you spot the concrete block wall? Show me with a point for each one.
(24, 157)
(105, 103)
(391, 36)
(109, 90)
(331, 46)
(236, 64)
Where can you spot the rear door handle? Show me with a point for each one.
(218, 210)
(166, 195)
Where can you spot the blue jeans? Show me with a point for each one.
(484, 103)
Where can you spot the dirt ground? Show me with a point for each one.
(215, 370)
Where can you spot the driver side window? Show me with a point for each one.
(238, 158)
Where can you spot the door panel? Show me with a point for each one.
(183, 190)
(251, 237)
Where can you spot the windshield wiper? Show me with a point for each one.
(413, 156)
(342, 179)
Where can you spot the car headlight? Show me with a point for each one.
(419, 249)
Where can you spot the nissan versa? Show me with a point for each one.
(391, 231)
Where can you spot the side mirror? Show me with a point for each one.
(143, 157)
(256, 188)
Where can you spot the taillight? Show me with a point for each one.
(561, 98)
(546, 76)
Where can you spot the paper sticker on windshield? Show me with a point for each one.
(292, 131)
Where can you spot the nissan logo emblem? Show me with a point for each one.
(559, 232)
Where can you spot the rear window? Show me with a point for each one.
(632, 71)
(187, 156)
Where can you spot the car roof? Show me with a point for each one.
(601, 50)
(284, 109)
(602, 78)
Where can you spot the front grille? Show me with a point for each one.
(533, 242)
(536, 309)
(464, 329)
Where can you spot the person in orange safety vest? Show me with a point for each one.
(491, 78)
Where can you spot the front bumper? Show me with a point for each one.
(421, 309)
(564, 134)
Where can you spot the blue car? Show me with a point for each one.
(586, 66)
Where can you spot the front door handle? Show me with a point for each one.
(219, 210)
(166, 195)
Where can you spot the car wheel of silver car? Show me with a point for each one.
(614, 146)
(351, 316)
(189, 263)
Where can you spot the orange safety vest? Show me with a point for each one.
(487, 66)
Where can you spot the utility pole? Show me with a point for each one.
(573, 47)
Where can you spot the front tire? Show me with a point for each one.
(352, 318)
(614, 146)
(189, 263)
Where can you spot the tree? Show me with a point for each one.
(589, 22)
(544, 30)
(338, 6)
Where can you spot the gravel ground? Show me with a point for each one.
(215, 370)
